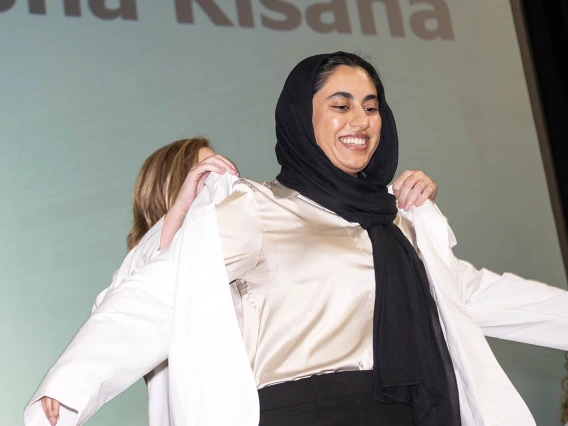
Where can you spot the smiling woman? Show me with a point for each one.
(338, 147)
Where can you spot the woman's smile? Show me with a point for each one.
(355, 142)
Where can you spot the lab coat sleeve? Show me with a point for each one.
(101, 296)
(513, 308)
(123, 339)
(146, 250)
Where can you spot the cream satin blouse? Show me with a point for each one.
(302, 280)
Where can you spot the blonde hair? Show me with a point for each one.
(159, 182)
(565, 389)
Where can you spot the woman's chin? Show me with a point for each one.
(352, 169)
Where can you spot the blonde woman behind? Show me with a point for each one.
(168, 181)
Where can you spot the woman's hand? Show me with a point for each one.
(191, 186)
(51, 409)
(196, 177)
(412, 188)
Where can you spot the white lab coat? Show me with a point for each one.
(157, 380)
(183, 310)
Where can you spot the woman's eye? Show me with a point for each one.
(341, 107)
(371, 110)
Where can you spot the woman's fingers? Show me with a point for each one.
(55, 408)
(414, 194)
(51, 409)
(406, 188)
(432, 188)
(206, 168)
(228, 162)
(413, 188)
(426, 194)
(46, 405)
(398, 183)
(220, 161)
(46, 410)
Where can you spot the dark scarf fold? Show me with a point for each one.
(412, 364)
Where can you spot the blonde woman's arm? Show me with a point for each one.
(173, 220)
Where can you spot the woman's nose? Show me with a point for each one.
(359, 119)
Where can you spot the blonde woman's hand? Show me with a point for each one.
(191, 186)
(196, 177)
(413, 188)
(51, 409)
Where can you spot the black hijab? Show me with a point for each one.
(412, 364)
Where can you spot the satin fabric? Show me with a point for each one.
(304, 281)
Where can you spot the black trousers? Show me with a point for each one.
(335, 399)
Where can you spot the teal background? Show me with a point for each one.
(84, 101)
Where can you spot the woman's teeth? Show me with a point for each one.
(353, 141)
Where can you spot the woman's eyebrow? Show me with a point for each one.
(349, 96)
(341, 95)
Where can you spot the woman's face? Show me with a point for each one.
(346, 119)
